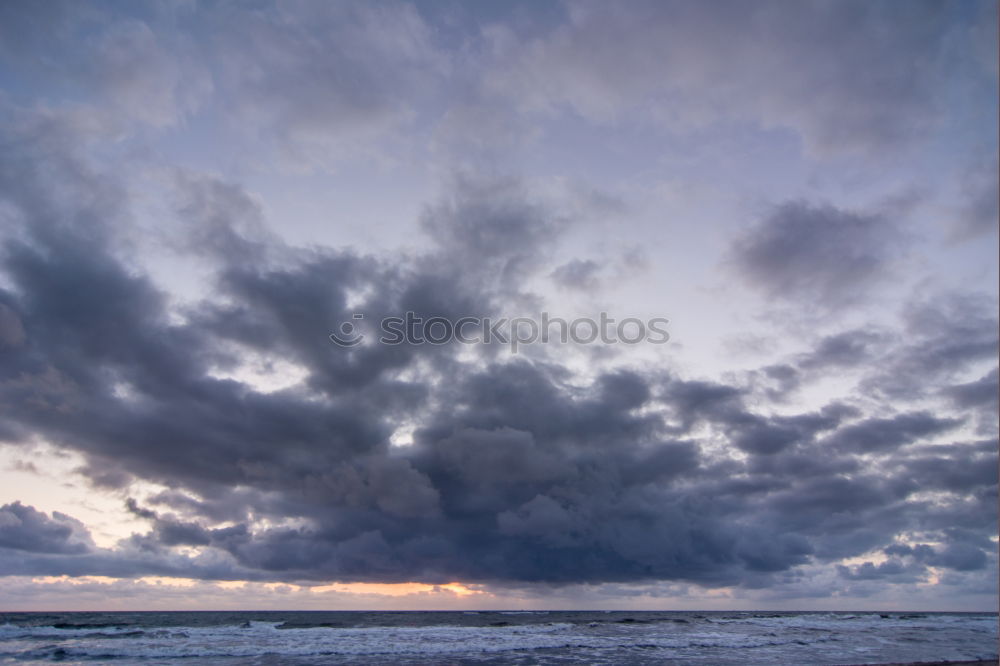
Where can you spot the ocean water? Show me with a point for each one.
(496, 637)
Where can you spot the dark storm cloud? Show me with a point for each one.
(893, 570)
(766, 436)
(24, 528)
(959, 556)
(981, 392)
(515, 475)
(957, 467)
(518, 471)
(815, 254)
(692, 400)
(514, 450)
(888, 433)
(11, 329)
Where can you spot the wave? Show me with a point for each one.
(593, 638)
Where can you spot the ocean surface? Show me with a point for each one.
(494, 637)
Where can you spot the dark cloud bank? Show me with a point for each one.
(517, 473)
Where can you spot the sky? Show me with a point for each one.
(195, 195)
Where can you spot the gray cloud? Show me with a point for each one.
(960, 556)
(765, 61)
(845, 350)
(316, 77)
(323, 73)
(817, 255)
(981, 392)
(520, 471)
(887, 433)
(980, 214)
(893, 570)
(25, 529)
(515, 475)
(577, 274)
(139, 63)
(943, 336)
(958, 467)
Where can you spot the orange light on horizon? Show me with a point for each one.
(397, 589)
(376, 589)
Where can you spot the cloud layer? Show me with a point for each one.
(155, 321)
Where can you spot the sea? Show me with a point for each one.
(274, 638)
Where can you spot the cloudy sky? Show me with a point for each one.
(193, 196)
